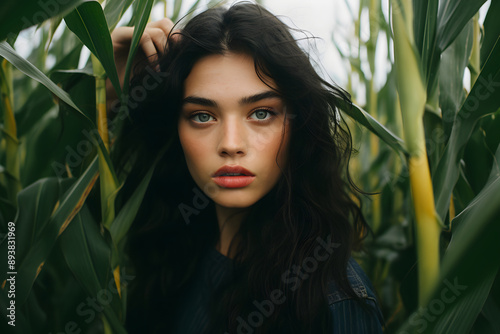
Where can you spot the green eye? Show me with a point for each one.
(261, 114)
(202, 117)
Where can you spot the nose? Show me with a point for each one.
(232, 138)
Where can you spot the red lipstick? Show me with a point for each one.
(233, 176)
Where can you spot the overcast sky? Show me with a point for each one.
(324, 19)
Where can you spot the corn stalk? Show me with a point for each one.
(412, 95)
(371, 47)
(108, 183)
(10, 131)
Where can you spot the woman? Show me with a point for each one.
(249, 221)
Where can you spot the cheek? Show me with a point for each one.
(193, 149)
(269, 148)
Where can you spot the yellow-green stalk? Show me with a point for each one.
(397, 165)
(106, 326)
(12, 180)
(412, 95)
(371, 48)
(108, 183)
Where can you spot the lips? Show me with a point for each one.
(232, 171)
(233, 177)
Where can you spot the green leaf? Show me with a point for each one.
(60, 141)
(63, 47)
(35, 108)
(36, 204)
(89, 24)
(126, 216)
(491, 30)
(440, 31)
(430, 56)
(17, 15)
(451, 73)
(453, 16)
(365, 119)
(114, 11)
(38, 252)
(462, 193)
(477, 160)
(142, 10)
(30, 70)
(88, 256)
(419, 22)
(123, 221)
(453, 309)
(86, 252)
(482, 100)
(27, 68)
(54, 24)
(490, 312)
(38, 103)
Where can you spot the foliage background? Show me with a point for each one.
(435, 100)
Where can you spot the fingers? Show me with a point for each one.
(166, 25)
(122, 36)
(157, 37)
(152, 42)
(149, 48)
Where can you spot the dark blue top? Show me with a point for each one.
(348, 315)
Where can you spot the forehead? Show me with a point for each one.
(225, 76)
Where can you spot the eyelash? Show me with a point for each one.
(270, 111)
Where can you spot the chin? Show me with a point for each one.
(234, 202)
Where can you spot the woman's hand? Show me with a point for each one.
(151, 44)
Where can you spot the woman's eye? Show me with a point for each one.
(262, 113)
(202, 117)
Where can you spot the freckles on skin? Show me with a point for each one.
(230, 117)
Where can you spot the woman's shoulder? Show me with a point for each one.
(349, 314)
(358, 280)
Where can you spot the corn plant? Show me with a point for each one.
(70, 266)
(432, 151)
(434, 261)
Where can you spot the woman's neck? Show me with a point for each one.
(229, 220)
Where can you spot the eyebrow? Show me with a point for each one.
(245, 100)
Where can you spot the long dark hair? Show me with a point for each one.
(314, 202)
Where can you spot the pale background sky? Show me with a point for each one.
(320, 18)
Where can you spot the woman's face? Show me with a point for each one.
(229, 117)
